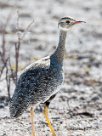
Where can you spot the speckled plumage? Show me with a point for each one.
(39, 81)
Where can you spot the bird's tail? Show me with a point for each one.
(16, 108)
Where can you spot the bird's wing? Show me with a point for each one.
(42, 62)
(27, 86)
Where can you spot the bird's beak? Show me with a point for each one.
(78, 22)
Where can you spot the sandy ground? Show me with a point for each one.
(77, 109)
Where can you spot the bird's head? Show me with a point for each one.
(67, 22)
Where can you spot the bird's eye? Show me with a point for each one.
(67, 22)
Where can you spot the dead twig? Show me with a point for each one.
(18, 45)
(4, 56)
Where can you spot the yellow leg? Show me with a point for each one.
(48, 120)
(32, 121)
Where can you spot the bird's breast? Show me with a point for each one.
(56, 79)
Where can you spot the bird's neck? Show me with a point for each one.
(58, 56)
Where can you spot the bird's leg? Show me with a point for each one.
(32, 121)
(48, 120)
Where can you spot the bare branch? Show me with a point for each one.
(27, 29)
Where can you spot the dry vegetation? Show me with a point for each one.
(11, 72)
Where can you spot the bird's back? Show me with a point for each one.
(35, 85)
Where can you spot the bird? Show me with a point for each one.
(40, 81)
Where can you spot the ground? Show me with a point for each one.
(77, 109)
